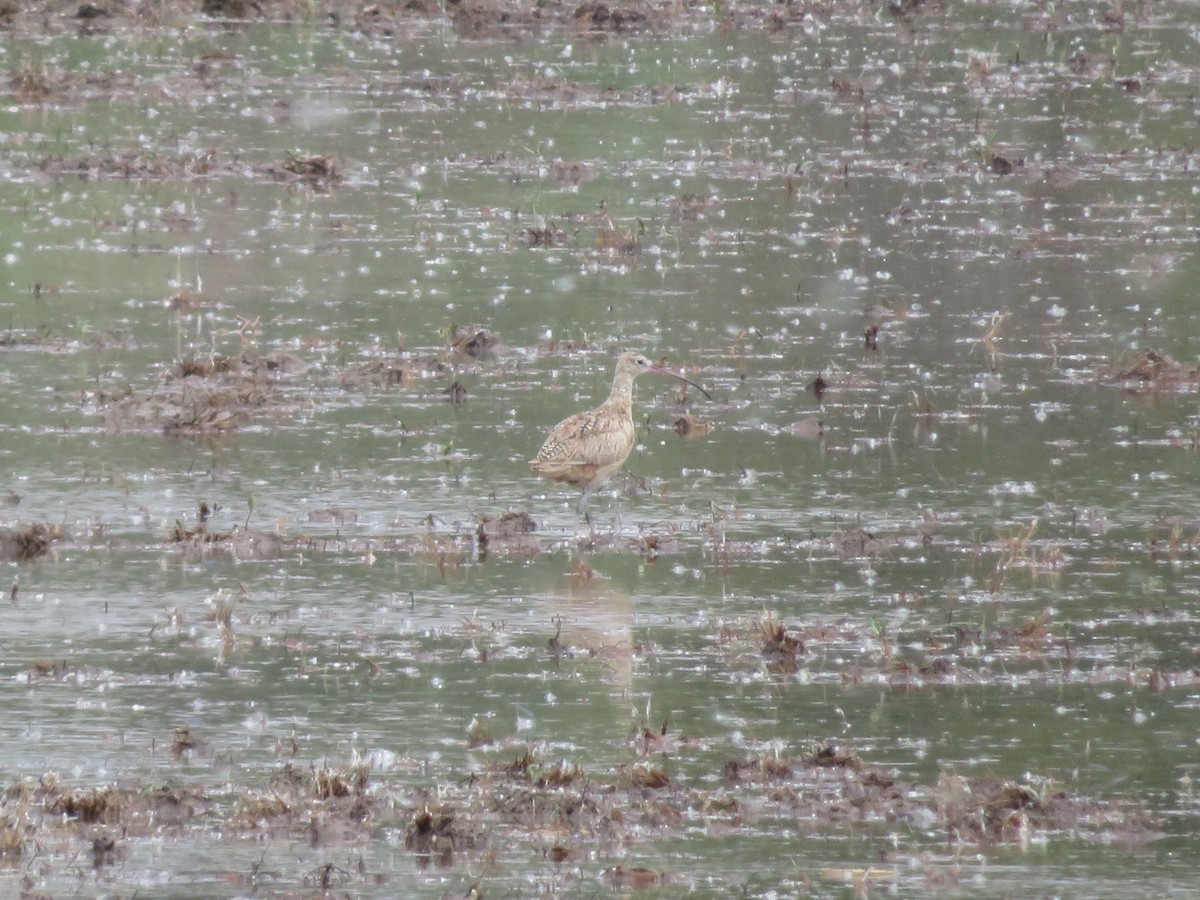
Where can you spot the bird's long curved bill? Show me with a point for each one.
(659, 370)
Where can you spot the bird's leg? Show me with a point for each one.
(582, 508)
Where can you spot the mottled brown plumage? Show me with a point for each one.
(587, 449)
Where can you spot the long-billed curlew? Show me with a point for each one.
(587, 449)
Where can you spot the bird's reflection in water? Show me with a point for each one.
(594, 618)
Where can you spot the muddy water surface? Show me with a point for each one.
(911, 606)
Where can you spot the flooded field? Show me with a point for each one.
(293, 293)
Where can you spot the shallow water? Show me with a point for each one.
(987, 551)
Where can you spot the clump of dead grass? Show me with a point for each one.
(317, 171)
(206, 397)
(475, 342)
(1150, 370)
(28, 542)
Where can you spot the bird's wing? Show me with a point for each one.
(589, 438)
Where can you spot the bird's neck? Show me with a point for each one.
(621, 396)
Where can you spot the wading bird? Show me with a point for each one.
(587, 449)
